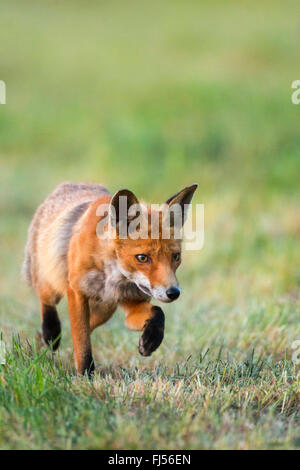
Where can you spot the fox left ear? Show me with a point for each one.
(121, 202)
(183, 198)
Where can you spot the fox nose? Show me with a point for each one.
(173, 293)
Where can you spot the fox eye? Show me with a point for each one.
(176, 257)
(142, 258)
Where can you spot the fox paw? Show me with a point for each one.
(153, 332)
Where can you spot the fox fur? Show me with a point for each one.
(65, 257)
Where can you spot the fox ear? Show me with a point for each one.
(183, 199)
(120, 204)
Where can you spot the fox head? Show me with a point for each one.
(150, 252)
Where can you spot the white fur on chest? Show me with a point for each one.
(110, 285)
(113, 277)
(102, 285)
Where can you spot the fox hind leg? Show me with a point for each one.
(51, 327)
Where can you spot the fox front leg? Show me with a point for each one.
(149, 319)
(79, 318)
(153, 332)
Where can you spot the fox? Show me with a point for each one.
(65, 256)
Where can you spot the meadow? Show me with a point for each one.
(154, 96)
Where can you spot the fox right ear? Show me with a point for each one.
(183, 200)
(120, 204)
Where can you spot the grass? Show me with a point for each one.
(154, 97)
(203, 402)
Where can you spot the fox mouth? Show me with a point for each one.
(161, 298)
(165, 300)
(145, 289)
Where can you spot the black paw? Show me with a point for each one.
(88, 366)
(51, 327)
(153, 332)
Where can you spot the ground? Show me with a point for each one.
(154, 96)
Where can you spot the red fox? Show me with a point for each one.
(65, 256)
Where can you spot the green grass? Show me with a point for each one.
(155, 96)
(202, 402)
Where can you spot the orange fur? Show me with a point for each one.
(64, 256)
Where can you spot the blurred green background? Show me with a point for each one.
(154, 96)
